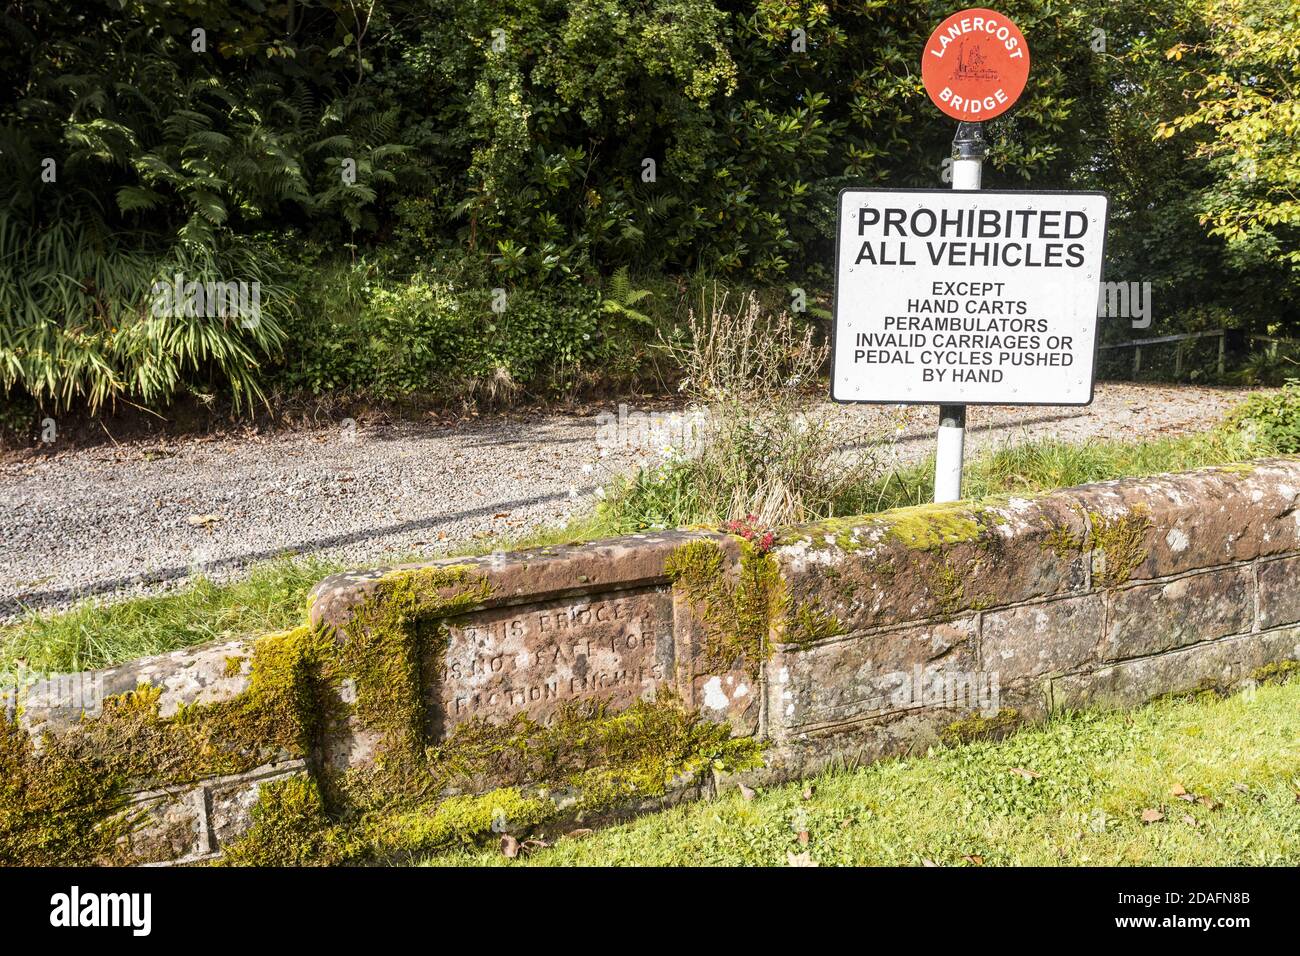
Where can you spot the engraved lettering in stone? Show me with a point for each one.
(498, 663)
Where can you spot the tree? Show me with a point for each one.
(1247, 100)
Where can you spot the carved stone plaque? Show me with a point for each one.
(616, 647)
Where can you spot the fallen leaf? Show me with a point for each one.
(808, 792)
(502, 514)
(926, 862)
(203, 521)
(1178, 790)
(1190, 820)
(803, 837)
(1152, 816)
(578, 834)
(800, 859)
(974, 859)
(1022, 772)
(509, 847)
(530, 845)
(747, 792)
(1212, 803)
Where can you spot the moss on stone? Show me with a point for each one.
(980, 727)
(457, 821)
(737, 616)
(1207, 688)
(649, 742)
(927, 527)
(290, 828)
(379, 650)
(1277, 672)
(381, 658)
(65, 802)
(413, 798)
(80, 775)
(1063, 542)
(1121, 541)
(54, 812)
(584, 763)
(920, 527)
(810, 624)
(948, 585)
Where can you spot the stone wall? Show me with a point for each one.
(575, 683)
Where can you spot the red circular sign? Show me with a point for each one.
(975, 65)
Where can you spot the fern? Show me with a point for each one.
(622, 297)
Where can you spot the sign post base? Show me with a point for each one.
(948, 455)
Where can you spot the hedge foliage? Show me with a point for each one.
(379, 167)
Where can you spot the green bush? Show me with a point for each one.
(434, 333)
(1272, 419)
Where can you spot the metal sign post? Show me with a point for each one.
(974, 68)
(968, 151)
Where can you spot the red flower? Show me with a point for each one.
(749, 529)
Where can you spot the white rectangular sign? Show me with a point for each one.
(946, 297)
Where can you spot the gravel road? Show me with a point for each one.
(115, 520)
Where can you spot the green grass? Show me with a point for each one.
(663, 496)
(96, 634)
(1046, 464)
(1090, 777)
